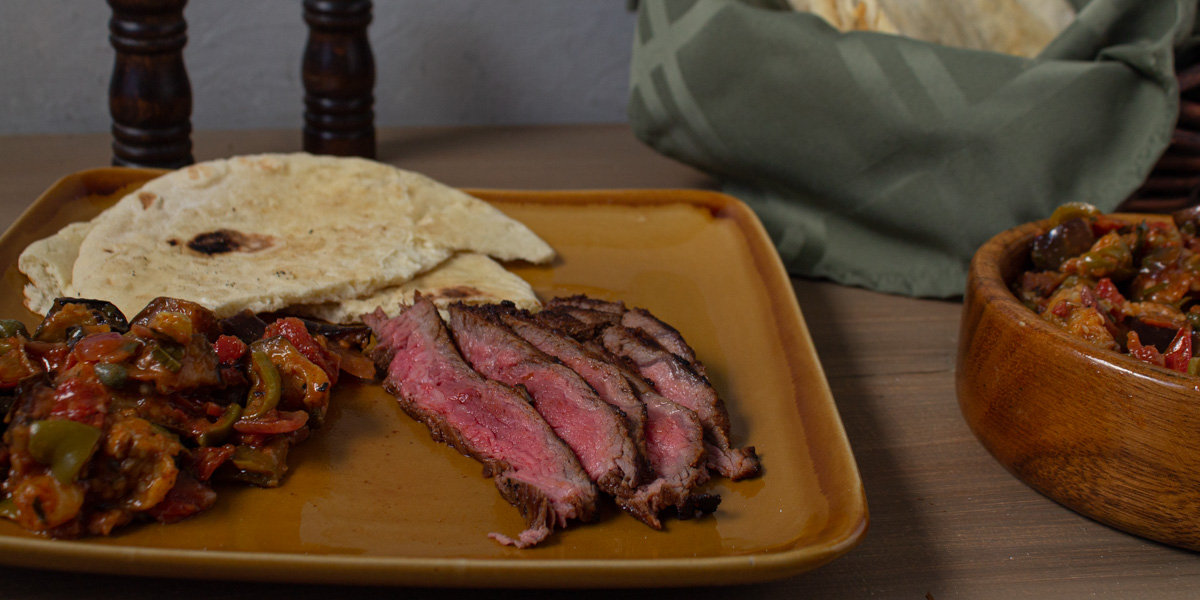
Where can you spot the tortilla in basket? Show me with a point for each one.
(1016, 27)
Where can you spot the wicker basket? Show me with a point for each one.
(1175, 181)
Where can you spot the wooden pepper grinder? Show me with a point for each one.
(339, 79)
(149, 96)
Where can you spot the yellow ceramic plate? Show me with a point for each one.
(371, 499)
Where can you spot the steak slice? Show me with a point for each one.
(595, 312)
(594, 430)
(605, 378)
(666, 336)
(675, 380)
(486, 420)
(580, 301)
(672, 434)
(675, 441)
(669, 436)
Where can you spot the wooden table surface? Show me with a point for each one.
(946, 520)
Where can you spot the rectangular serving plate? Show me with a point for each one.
(372, 500)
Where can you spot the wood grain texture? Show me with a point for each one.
(1104, 434)
(947, 520)
(339, 79)
(1175, 180)
(149, 95)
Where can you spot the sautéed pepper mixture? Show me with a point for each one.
(1125, 286)
(112, 421)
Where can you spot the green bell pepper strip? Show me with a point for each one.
(267, 385)
(165, 359)
(64, 446)
(221, 429)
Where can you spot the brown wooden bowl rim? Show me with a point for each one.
(987, 279)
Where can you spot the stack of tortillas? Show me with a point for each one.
(1017, 27)
(328, 237)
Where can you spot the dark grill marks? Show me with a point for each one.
(666, 336)
(646, 342)
(669, 436)
(605, 378)
(675, 439)
(675, 380)
(533, 469)
(595, 430)
(596, 312)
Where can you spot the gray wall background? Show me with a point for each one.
(438, 62)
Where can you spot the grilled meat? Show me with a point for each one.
(486, 420)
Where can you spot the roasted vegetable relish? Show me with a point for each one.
(1132, 287)
(112, 421)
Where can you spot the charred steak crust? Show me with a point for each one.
(644, 341)
(580, 301)
(675, 460)
(666, 336)
(603, 376)
(674, 436)
(675, 439)
(675, 380)
(594, 312)
(594, 430)
(486, 420)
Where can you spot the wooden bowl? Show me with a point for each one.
(1102, 433)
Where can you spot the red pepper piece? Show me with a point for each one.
(1180, 351)
(1109, 292)
(229, 349)
(294, 331)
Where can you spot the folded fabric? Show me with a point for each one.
(884, 162)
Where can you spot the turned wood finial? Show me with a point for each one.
(149, 96)
(339, 79)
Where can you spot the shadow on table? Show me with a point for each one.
(862, 359)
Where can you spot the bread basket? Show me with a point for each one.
(1174, 183)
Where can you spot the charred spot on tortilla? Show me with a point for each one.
(458, 291)
(223, 241)
(147, 199)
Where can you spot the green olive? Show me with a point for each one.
(12, 327)
(111, 375)
(1072, 210)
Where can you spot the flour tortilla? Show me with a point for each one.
(48, 263)
(469, 278)
(1016, 27)
(305, 230)
(849, 15)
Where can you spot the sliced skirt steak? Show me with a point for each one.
(594, 430)
(669, 435)
(486, 420)
(675, 440)
(595, 312)
(673, 435)
(675, 380)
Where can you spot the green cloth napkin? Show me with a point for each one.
(885, 162)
